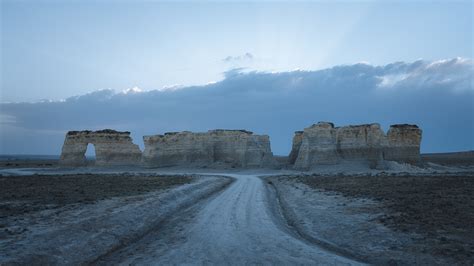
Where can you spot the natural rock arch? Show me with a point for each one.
(111, 148)
(90, 154)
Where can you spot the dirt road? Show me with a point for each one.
(237, 226)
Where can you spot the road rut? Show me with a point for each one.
(236, 226)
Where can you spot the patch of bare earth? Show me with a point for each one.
(75, 219)
(439, 207)
(24, 194)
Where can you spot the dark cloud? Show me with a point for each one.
(239, 58)
(439, 96)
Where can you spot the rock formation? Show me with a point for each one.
(318, 146)
(234, 148)
(403, 143)
(361, 142)
(323, 143)
(111, 148)
(295, 149)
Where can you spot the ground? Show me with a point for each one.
(435, 211)
(23, 194)
(343, 215)
(428, 204)
(75, 219)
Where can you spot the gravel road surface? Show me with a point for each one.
(237, 226)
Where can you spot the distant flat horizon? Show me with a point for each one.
(57, 156)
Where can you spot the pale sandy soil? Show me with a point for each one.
(236, 227)
(80, 227)
(386, 219)
(84, 215)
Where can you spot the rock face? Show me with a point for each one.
(318, 146)
(234, 148)
(322, 143)
(295, 149)
(111, 148)
(361, 142)
(403, 143)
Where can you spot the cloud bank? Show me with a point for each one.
(437, 95)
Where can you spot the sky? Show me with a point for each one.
(270, 67)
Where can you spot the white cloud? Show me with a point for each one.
(172, 87)
(454, 74)
(438, 95)
(389, 81)
(133, 90)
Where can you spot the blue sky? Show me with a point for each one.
(56, 49)
(270, 67)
